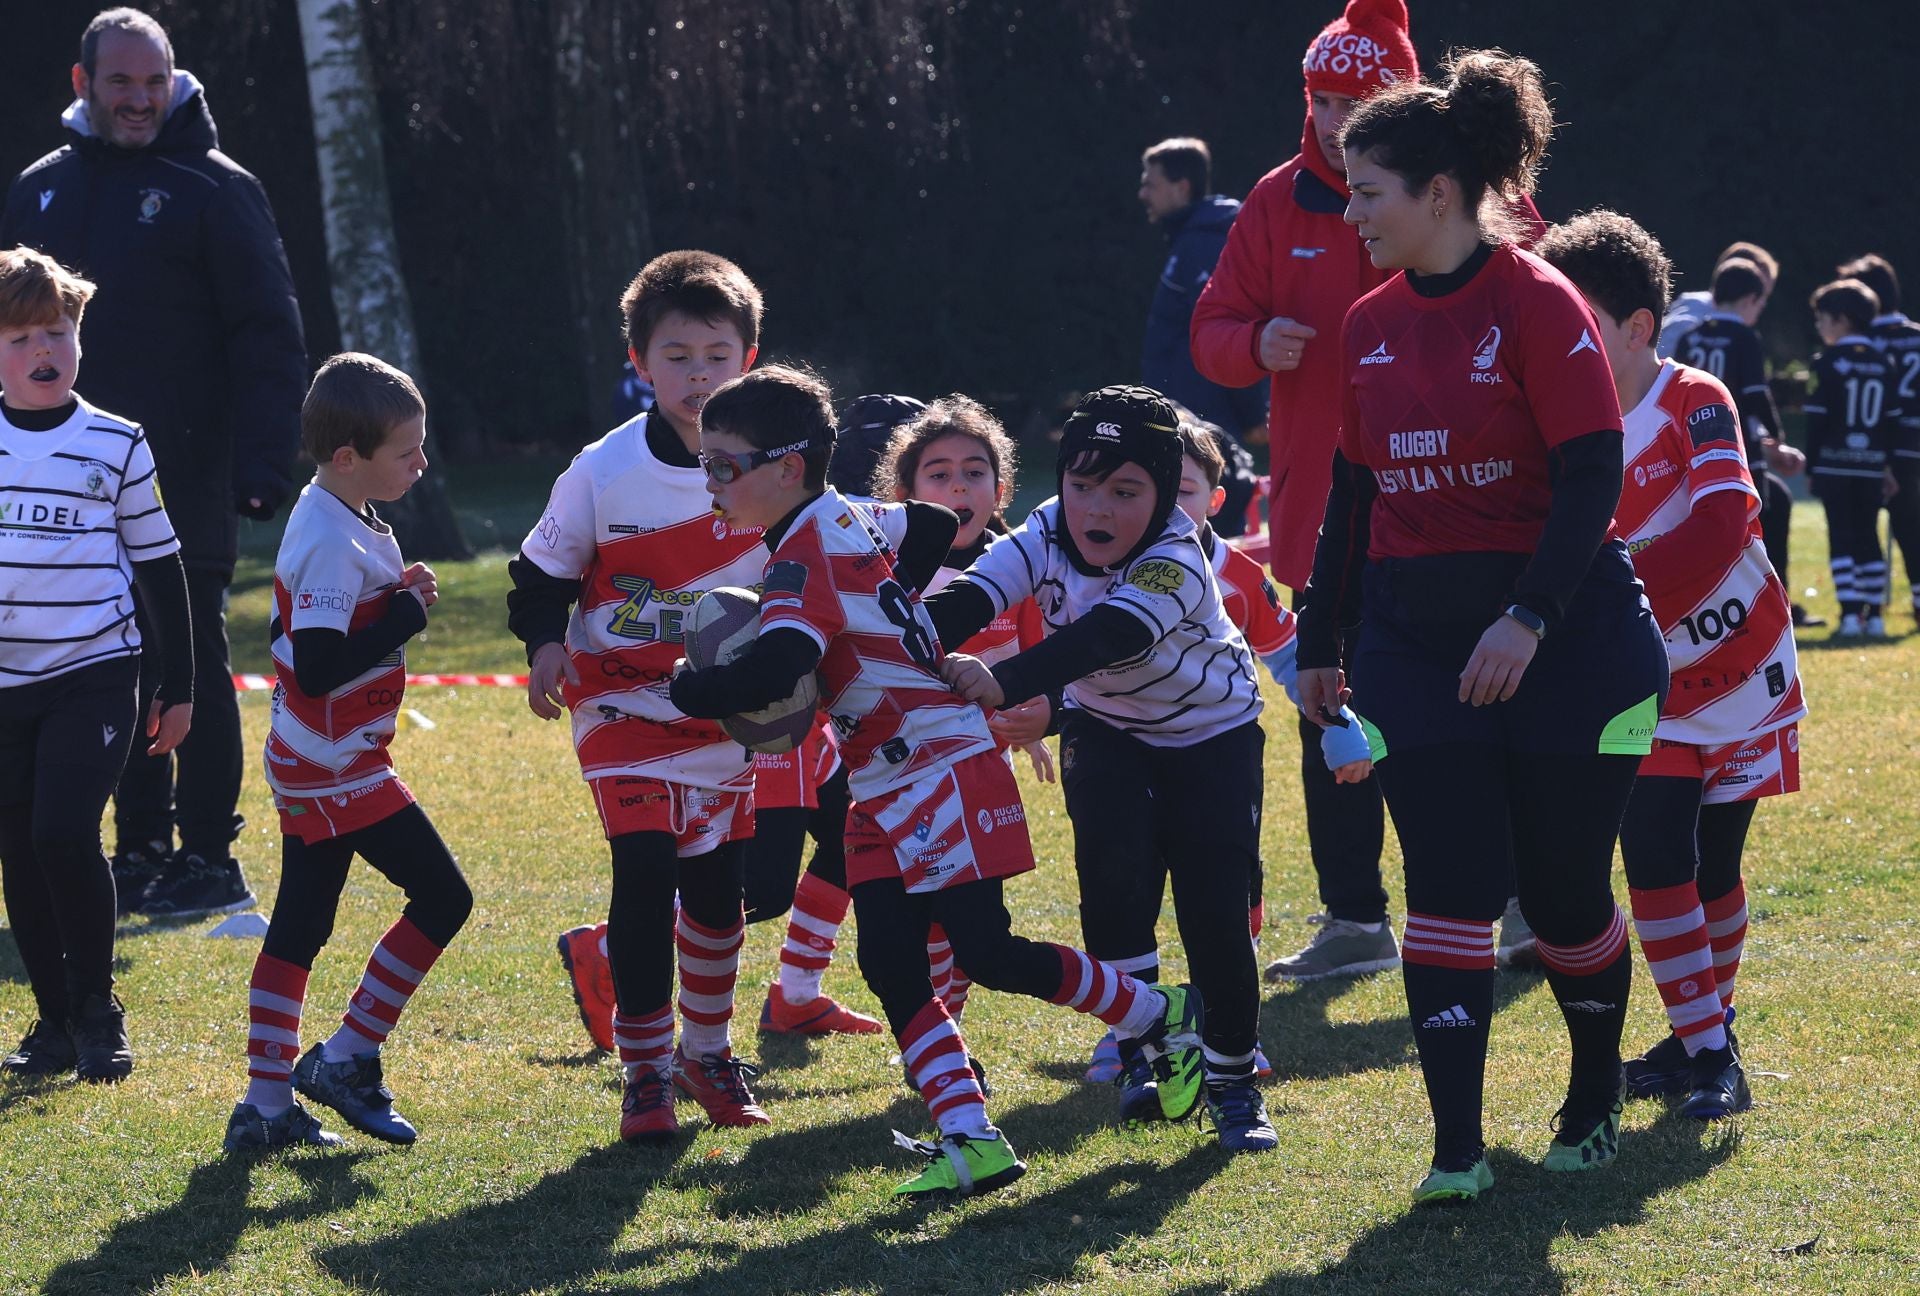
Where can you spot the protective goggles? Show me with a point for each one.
(723, 467)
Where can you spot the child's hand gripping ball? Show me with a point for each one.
(721, 626)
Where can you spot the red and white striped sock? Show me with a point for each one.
(936, 1058)
(950, 984)
(1462, 943)
(709, 967)
(395, 969)
(819, 907)
(276, 995)
(645, 1039)
(1087, 985)
(1673, 935)
(1590, 957)
(1727, 932)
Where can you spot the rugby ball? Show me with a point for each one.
(721, 626)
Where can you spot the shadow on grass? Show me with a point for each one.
(1505, 1241)
(551, 1235)
(197, 1233)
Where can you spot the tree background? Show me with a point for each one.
(939, 196)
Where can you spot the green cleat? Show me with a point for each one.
(1586, 1129)
(1442, 1186)
(1174, 1047)
(961, 1165)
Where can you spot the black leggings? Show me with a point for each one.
(1669, 839)
(779, 835)
(893, 944)
(1858, 564)
(1472, 815)
(1776, 518)
(403, 848)
(55, 776)
(647, 873)
(1903, 517)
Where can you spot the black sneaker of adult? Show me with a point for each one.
(99, 1029)
(47, 1049)
(194, 887)
(134, 871)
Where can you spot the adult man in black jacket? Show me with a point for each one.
(195, 333)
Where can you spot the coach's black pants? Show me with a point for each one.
(1192, 812)
(203, 798)
(63, 742)
(1346, 830)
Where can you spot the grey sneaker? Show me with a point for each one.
(1339, 949)
(1519, 947)
(248, 1130)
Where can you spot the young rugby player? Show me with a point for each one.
(1899, 337)
(1853, 421)
(1507, 667)
(1160, 741)
(627, 545)
(937, 821)
(1728, 733)
(80, 523)
(344, 607)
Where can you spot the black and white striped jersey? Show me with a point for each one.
(79, 504)
(1853, 410)
(1194, 683)
(1899, 338)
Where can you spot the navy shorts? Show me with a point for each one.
(1595, 685)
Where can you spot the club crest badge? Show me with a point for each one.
(151, 201)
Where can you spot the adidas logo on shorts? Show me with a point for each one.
(1454, 1016)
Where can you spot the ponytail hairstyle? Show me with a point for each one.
(1487, 124)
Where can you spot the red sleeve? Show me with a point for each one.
(1265, 624)
(1713, 445)
(1561, 368)
(798, 592)
(1351, 443)
(1032, 629)
(1705, 545)
(1235, 306)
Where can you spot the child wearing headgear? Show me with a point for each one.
(1161, 743)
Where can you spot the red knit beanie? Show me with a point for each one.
(1363, 51)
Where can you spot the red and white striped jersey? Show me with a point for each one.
(831, 578)
(1252, 604)
(336, 570)
(641, 537)
(1729, 632)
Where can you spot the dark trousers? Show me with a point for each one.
(1776, 518)
(1346, 830)
(1858, 563)
(202, 796)
(1903, 516)
(779, 838)
(62, 743)
(1186, 813)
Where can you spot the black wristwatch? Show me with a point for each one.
(1532, 621)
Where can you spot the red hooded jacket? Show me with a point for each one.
(1290, 253)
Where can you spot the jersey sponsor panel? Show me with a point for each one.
(831, 577)
(954, 825)
(1855, 417)
(1729, 630)
(1196, 681)
(641, 537)
(783, 780)
(1761, 765)
(336, 570)
(79, 504)
(1485, 382)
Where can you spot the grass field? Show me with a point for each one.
(519, 1184)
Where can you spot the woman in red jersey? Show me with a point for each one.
(1507, 668)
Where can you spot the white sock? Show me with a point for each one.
(346, 1043)
(269, 1097)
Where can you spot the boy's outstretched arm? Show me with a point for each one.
(1103, 636)
(769, 670)
(923, 551)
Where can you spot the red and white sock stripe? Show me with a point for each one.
(645, 1039)
(1673, 935)
(1465, 943)
(395, 969)
(819, 907)
(276, 995)
(709, 967)
(936, 1058)
(950, 983)
(1727, 932)
(1087, 985)
(1587, 958)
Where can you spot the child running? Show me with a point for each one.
(344, 607)
(1161, 742)
(1729, 732)
(937, 822)
(626, 547)
(81, 524)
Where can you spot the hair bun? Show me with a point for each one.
(1497, 104)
